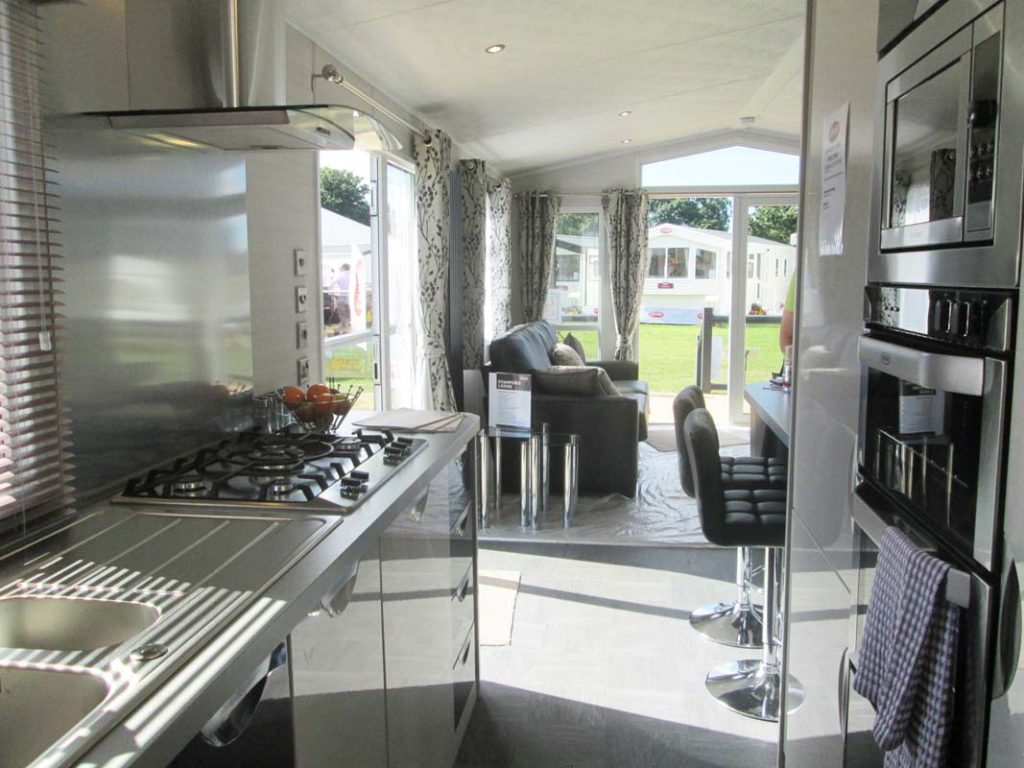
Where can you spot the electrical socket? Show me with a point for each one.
(301, 335)
(299, 255)
(303, 371)
(301, 299)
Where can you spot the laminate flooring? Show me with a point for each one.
(604, 669)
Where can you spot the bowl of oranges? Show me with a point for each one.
(319, 408)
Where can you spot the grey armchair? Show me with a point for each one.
(610, 426)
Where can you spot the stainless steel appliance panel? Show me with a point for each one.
(1006, 712)
(932, 435)
(159, 355)
(871, 515)
(964, 56)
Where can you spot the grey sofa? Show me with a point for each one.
(610, 426)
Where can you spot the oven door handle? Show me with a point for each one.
(949, 373)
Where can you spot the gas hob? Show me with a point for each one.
(292, 468)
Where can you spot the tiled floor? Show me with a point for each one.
(604, 670)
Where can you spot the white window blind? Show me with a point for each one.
(35, 469)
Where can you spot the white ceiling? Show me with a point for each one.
(684, 68)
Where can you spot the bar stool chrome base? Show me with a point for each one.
(747, 688)
(729, 624)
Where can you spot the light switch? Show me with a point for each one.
(301, 335)
(303, 371)
(301, 298)
(300, 261)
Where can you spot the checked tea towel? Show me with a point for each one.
(908, 657)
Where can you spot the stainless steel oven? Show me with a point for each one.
(933, 410)
(971, 590)
(948, 150)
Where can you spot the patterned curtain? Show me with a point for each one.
(537, 213)
(433, 210)
(500, 198)
(473, 212)
(625, 219)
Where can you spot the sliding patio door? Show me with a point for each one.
(765, 255)
(349, 274)
(399, 269)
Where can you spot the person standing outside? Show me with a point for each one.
(788, 317)
(344, 308)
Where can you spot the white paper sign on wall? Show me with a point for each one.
(833, 182)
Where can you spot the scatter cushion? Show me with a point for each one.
(576, 344)
(563, 354)
(586, 380)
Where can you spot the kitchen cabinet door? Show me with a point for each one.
(416, 586)
(338, 678)
(817, 634)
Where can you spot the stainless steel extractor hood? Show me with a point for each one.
(210, 74)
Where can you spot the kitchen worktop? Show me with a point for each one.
(229, 585)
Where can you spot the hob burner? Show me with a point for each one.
(190, 485)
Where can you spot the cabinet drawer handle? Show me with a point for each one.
(460, 591)
(462, 524)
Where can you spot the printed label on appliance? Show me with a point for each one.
(921, 410)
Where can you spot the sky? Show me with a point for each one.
(732, 166)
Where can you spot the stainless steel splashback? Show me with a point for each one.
(158, 336)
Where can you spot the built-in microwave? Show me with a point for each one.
(946, 206)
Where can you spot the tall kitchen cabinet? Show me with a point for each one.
(428, 588)
(840, 71)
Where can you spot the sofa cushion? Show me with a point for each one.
(523, 349)
(632, 385)
(563, 354)
(580, 380)
(577, 346)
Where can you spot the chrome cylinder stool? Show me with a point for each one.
(751, 687)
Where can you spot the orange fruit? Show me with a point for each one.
(292, 397)
(323, 403)
(315, 390)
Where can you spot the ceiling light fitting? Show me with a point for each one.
(496, 48)
(627, 141)
(625, 113)
(747, 120)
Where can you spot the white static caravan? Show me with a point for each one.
(690, 270)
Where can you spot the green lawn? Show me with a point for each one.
(351, 366)
(668, 354)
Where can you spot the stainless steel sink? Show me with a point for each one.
(39, 706)
(70, 624)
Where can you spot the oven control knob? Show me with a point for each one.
(956, 320)
(967, 319)
(940, 316)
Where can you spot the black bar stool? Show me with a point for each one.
(738, 623)
(748, 518)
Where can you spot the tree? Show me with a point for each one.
(774, 222)
(702, 212)
(577, 224)
(345, 193)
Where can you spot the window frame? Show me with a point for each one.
(596, 325)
